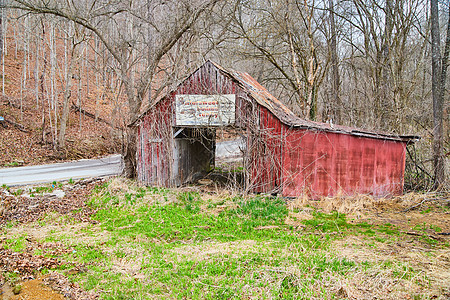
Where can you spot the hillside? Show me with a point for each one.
(28, 132)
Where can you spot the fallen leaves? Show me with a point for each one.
(25, 264)
(29, 209)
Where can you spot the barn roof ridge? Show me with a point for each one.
(281, 111)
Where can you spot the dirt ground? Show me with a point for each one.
(32, 289)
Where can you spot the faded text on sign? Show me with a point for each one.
(205, 110)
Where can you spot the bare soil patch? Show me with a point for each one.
(54, 286)
(33, 289)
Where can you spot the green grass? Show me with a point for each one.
(159, 243)
(17, 192)
(16, 244)
(185, 251)
(424, 227)
(184, 221)
(388, 229)
(13, 164)
(41, 189)
(336, 222)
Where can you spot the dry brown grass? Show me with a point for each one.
(362, 203)
(402, 265)
(431, 268)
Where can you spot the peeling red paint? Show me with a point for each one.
(328, 163)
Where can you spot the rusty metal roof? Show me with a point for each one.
(284, 114)
(264, 98)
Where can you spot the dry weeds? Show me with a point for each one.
(430, 267)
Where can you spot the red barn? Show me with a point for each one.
(284, 154)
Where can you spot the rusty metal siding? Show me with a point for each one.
(325, 164)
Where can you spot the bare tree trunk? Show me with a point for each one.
(86, 67)
(337, 105)
(79, 101)
(42, 84)
(149, 36)
(23, 82)
(438, 159)
(445, 60)
(384, 74)
(134, 103)
(97, 68)
(53, 101)
(36, 66)
(68, 90)
(1, 35)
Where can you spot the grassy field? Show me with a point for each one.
(147, 243)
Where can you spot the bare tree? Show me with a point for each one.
(287, 36)
(336, 81)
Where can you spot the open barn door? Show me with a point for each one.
(193, 153)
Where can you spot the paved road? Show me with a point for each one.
(229, 150)
(86, 168)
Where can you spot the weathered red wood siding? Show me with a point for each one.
(325, 164)
(155, 145)
(264, 147)
(155, 139)
(207, 81)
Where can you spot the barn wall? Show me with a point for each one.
(209, 80)
(264, 148)
(154, 149)
(325, 164)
